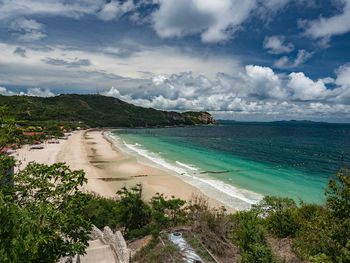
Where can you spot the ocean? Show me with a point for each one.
(239, 162)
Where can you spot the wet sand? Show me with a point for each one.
(108, 169)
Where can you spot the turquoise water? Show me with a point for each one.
(258, 159)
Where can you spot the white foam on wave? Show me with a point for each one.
(237, 198)
(155, 158)
(187, 166)
(235, 192)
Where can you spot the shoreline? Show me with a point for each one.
(109, 168)
(164, 182)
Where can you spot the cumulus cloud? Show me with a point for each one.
(39, 92)
(213, 20)
(4, 91)
(264, 83)
(343, 83)
(326, 27)
(305, 88)
(255, 91)
(27, 29)
(286, 63)
(276, 45)
(36, 92)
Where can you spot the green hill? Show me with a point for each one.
(97, 111)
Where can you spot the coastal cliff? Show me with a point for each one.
(200, 118)
(97, 111)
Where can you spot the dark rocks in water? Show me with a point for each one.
(218, 172)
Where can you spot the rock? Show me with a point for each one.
(122, 248)
(118, 242)
(96, 233)
(108, 235)
(104, 247)
(66, 260)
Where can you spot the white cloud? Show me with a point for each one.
(343, 82)
(343, 75)
(305, 88)
(250, 93)
(61, 67)
(286, 63)
(75, 9)
(27, 29)
(6, 92)
(326, 27)
(255, 92)
(213, 20)
(276, 45)
(264, 83)
(37, 92)
(115, 9)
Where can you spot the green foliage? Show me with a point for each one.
(19, 232)
(9, 132)
(279, 214)
(41, 214)
(313, 237)
(246, 229)
(258, 254)
(101, 211)
(133, 213)
(248, 233)
(92, 110)
(168, 212)
(154, 252)
(338, 194)
(210, 226)
(324, 232)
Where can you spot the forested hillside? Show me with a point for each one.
(97, 110)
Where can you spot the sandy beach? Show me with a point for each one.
(108, 168)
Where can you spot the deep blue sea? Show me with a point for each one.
(239, 162)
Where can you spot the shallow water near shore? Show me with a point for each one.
(239, 163)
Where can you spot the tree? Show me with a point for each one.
(338, 202)
(41, 214)
(40, 207)
(338, 194)
(167, 212)
(134, 214)
(279, 214)
(9, 133)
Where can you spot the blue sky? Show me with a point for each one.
(244, 60)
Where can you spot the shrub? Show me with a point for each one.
(101, 211)
(257, 254)
(247, 230)
(323, 235)
(168, 212)
(248, 233)
(279, 214)
(210, 226)
(133, 213)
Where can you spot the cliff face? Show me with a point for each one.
(200, 118)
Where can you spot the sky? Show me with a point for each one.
(251, 60)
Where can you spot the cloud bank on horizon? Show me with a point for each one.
(244, 60)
